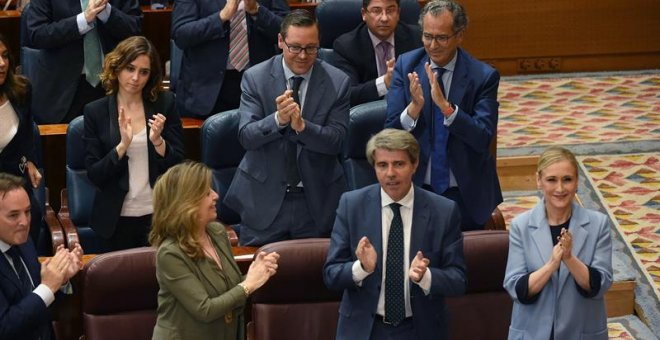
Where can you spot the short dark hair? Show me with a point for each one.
(9, 182)
(365, 3)
(297, 18)
(435, 7)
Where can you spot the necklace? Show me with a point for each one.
(212, 254)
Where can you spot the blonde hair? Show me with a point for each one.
(553, 155)
(393, 140)
(176, 198)
(126, 52)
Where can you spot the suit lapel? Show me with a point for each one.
(420, 220)
(277, 81)
(224, 252)
(368, 50)
(374, 216)
(578, 221)
(113, 116)
(459, 79)
(7, 271)
(315, 92)
(540, 232)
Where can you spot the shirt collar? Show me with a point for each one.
(4, 246)
(450, 65)
(375, 40)
(288, 73)
(406, 201)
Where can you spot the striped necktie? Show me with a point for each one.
(239, 53)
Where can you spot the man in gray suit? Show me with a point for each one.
(293, 119)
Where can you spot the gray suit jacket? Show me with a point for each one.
(435, 231)
(559, 303)
(258, 188)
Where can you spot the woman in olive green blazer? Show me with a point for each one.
(202, 292)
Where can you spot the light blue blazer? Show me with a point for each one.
(559, 303)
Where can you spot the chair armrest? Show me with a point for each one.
(70, 230)
(54, 226)
(496, 221)
(233, 237)
(250, 331)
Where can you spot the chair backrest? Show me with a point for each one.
(327, 55)
(337, 17)
(486, 253)
(176, 55)
(295, 303)
(365, 121)
(222, 152)
(80, 190)
(119, 295)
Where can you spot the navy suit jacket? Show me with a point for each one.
(110, 174)
(22, 317)
(204, 39)
(258, 188)
(52, 27)
(355, 55)
(21, 146)
(435, 231)
(474, 89)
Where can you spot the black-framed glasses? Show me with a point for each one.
(378, 11)
(440, 39)
(309, 50)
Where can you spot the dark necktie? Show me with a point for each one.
(26, 284)
(395, 303)
(439, 161)
(292, 175)
(385, 56)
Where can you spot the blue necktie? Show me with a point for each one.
(23, 276)
(395, 303)
(439, 161)
(292, 174)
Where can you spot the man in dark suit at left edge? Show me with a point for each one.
(26, 287)
(74, 36)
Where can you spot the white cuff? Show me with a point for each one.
(406, 121)
(105, 13)
(359, 274)
(83, 26)
(425, 282)
(380, 86)
(45, 294)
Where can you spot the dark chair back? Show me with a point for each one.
(295, 303)
(486, 253)
(365, 121)
(337, 17)
(80, 190)
(327, 55)
(222, 152)
(119, 295)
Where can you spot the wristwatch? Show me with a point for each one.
(449, 111)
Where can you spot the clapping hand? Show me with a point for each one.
(418, 267)
(366, 254)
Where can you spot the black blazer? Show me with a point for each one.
(21, 148)
(110, 174)
(356, 57)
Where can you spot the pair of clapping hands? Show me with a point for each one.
(94, 7)
(562, 251)
(261, 269)
(58, 269)
(288, 111)
(366, 253)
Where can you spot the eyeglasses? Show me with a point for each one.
(309, 50)
(378, 11)
(440, 39)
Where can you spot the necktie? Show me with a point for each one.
(384, 56)
(439, 161)
(292, 175)
(395, 304)
(92, 53)
(239, 53)
(26, 283)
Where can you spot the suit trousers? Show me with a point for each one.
(454, 194)
(293, 221)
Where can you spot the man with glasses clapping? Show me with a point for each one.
(293, 120)
(448, 100)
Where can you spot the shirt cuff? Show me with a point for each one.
(407, 123)
(83, 26)
(380, 86)
(425, 282)
(45, 294)
(359, 273)
(277, 121)
(450, 119)
(105, 13)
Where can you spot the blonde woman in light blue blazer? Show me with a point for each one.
(560, 260)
